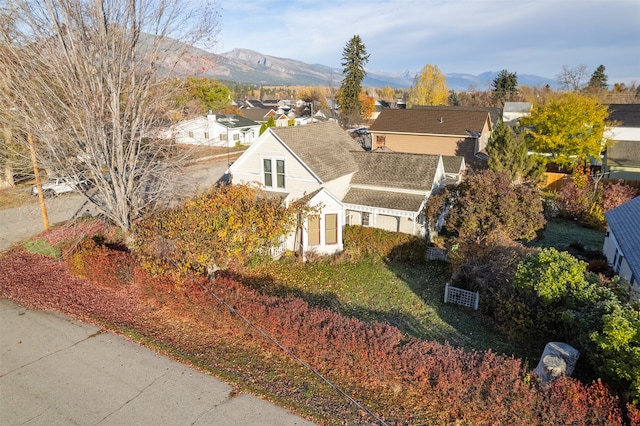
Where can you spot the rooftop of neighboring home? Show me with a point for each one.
(626, 115)
(518, 107)
(324, 147)
(234, 121)
(451, 121)
(623, 153)
(624, 222)
(255, 114)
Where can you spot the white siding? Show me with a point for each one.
(298, 179)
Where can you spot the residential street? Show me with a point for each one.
(20, 223)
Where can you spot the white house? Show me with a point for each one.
(622, 241)
(622, 159)
(512, 112)
(216, 130)
(321, 164)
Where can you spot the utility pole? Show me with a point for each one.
(36, 172)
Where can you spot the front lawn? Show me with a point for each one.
(408, 296)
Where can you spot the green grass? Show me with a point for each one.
(560, 234)
(408, 296)
(44, 248)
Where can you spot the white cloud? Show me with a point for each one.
(467, 36)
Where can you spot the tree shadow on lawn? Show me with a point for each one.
(459, 325)
(441, 322)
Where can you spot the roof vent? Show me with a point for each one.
(441, 120)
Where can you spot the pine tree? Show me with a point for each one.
(505, 85)
(354, 59)
(507, 152)
(598, 79)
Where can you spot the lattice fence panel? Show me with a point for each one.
(462, 297)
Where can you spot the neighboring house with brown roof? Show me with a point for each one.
(622, 241)
(450, 131)
(322, 164)
(622, 158)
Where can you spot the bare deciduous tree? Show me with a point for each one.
(573, 79)
(89, 80)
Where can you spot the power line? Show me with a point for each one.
(279, 345)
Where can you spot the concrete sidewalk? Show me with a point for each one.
(57, 371)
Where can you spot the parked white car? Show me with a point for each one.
(56, 186)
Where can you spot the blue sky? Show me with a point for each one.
(460, 36)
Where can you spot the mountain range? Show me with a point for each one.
(248, 66)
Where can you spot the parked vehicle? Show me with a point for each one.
(61, 185)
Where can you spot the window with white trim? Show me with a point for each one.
(271, 167)
(365, 218)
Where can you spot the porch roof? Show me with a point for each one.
(384, 199)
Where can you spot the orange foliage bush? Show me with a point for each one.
(404, 380)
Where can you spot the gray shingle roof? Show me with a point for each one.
(624, 153)
(627, 115)
(234, 121)
(324, 147)
(384, 199)
(395, 170)
(452, 163)
(434, 121)
(522, 107)
(624, 222)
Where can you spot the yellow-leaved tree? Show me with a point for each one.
(568, 128)
(367, 106)
(227, 225)
(429, 88)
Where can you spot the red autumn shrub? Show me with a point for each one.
(616, 194)
(405, 380)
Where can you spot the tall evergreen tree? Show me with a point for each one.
(505, 85)
(598, 79)
(354, 59)
(507, 152)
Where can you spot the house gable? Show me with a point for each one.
(250, 167)
(314, 155)
(324, 147)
